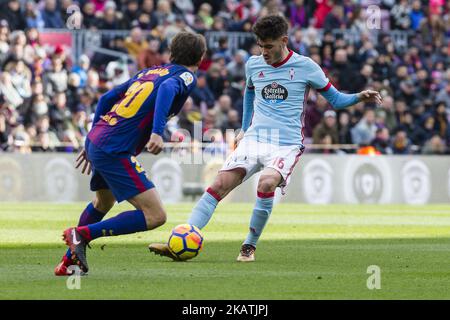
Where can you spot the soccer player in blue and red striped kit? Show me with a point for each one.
(128, 118)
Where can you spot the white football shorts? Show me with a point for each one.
(254, 156)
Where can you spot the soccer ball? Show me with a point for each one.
(186, 241)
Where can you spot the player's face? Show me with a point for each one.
(272, 49)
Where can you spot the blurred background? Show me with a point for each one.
(58, 57)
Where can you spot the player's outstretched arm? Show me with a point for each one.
(341, 100)
(318, 80)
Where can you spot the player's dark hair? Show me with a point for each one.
(271, 27)
(187, 48)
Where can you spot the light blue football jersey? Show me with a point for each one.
(280, 97)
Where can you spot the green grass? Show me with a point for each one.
(306, 252)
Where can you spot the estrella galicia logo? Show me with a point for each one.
(274, 93)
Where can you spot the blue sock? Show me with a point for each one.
(88, 216)
(261, 213)
(124, 223)
(202, 212)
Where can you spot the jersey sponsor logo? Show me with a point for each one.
(159, 71)
(187, 78)
(274, 93)
(109, 119)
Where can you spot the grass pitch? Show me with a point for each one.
(306, 252)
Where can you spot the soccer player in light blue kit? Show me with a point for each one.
(271, 139)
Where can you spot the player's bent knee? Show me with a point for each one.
(103, 204)
(155, 218)
(219, 187)
(267, 183)
(225, 182)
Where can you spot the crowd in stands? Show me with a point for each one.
(47, 101)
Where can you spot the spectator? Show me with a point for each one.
(345, 71)
(100, 5)
(131, 13)
(202, 94)
(387, 106)
(33, 16)
(236, 92)
(382, 68)
(313, 114)
(149, 57)
(357, 21)
(432, 29)
(400, 14)
(427, 130)
(236, 68)
(223, 106)
(60, 116)
(55, 79)
(20, 78)
(327, 127)
(136, 42)
(51, 15)
(82, 69)
(22, 141)
(297, 14)
(345, 136)
(334, 19)
(73, 91)
(5, 138)
(188, 116)
(416, 15)
(9, 92)
(364, 131)
(232, 122)
(117, 72)
(217, 79)
(323, 8)
(10, 11)
(223, 50)
(209, 122)
(435, 145)
(444, 96)
(296, 43)
(110, 20)
(381, 141)
(90, 20)
(205, 14)
(441, 118)
(400, 143)
(163, 13)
